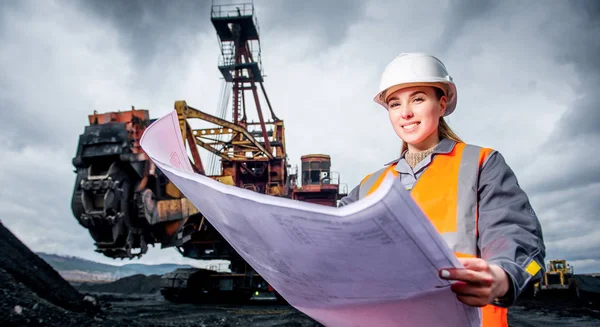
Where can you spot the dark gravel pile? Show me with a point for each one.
(33, 293)
(19, 306)
(136, 284)
(561, 307)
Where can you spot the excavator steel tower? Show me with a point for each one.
(127, 203)
(254, 156)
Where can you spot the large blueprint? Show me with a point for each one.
(371, 263)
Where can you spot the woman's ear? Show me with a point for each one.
(443, 105)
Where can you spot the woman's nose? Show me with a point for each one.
(406, 113)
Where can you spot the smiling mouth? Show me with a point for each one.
(410, 126)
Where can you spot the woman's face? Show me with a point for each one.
(415, 113)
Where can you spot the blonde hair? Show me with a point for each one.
(444, 130)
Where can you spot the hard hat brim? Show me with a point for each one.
(449, 89)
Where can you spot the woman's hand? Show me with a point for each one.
(478, 283)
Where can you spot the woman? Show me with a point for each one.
(469, 193)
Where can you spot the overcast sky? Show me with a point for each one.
(527, 75)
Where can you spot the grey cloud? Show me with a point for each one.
(583, 117)
(326, 21)
(559, 208)
(13, 128)
(8, 4)
(148, 27)
(571, 165)
(10, 132)
(577, 132)
(575, 253)
(39, 210)
(458, 17)
(580, 46)
(16, 128)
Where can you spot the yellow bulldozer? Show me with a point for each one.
(560, 283)
(558, 275)
(557, 281)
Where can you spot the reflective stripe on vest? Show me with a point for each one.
(447, 193)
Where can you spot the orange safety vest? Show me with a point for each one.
(447, 193)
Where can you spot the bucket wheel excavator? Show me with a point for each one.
(126, 203)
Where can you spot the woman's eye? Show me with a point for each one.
(419, 99)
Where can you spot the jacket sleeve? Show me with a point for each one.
(351, 197)
(510, 234)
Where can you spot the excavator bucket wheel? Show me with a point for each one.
(121, 199)
(76, 202)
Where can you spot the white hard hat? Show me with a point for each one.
(416, 69)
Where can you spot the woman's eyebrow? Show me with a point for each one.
(395, 97)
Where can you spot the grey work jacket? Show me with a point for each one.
(510, 234)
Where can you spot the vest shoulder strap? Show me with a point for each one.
(372, 181)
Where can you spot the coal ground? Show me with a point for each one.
(136, 284)
(152, 310)
(33, 294)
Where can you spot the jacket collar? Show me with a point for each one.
(445, 146)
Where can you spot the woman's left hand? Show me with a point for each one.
(478, 283)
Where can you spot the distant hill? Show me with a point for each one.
(76, 269)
